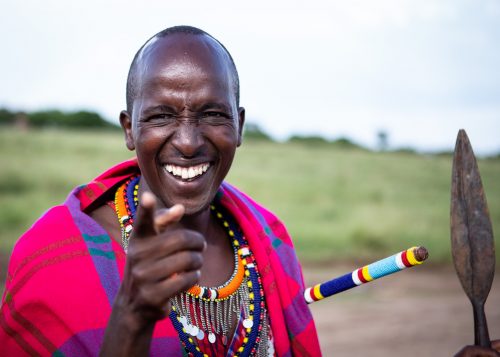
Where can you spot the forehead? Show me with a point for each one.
(184, 57)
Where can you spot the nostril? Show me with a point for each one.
(188, 140)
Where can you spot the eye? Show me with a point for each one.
(215, 118)
(160, 118)
(214, 115)
(163, 116)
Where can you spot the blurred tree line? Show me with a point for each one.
(54, 119)
(252, 131)
(92, 120)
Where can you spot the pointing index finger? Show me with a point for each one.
(144, 221)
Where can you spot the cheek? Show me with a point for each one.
(148, 142)
(224, 137)
(226, 143)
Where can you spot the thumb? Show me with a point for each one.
(167, 217)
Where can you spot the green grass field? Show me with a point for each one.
(338, 204)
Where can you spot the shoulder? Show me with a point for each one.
(239, 202)
(52, 230)
(52, 223)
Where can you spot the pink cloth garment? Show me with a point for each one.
(65, 271)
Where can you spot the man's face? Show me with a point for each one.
(185, 123)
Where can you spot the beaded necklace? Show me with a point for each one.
(126, 201)
(206, 312)
(252, 308)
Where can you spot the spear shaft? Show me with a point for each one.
(394, 263)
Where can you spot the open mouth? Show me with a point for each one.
(188, 173)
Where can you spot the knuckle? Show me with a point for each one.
(138, 273)
(149, 296)
(181, 239)
(143, 296)
(135, 251)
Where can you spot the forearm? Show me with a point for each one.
(126, 336)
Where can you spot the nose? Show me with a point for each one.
(188, 140)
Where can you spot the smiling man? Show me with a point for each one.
(159, 255)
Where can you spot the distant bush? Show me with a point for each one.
(309, 140)
(345, 143)
(56, 118)
(340, 143)
(405, 150)
(253, 131)
(443, 153)
(494, 157)
(7, 117)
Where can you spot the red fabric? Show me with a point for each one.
(64, 272)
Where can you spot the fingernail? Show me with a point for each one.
(178, 207)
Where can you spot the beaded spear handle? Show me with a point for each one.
(397, 262)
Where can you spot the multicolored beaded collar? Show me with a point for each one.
(205, 312)
(126, 201)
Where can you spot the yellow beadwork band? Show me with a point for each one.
(410, 255)
(317, 293)
(366, 274)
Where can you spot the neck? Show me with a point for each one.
(200, 222)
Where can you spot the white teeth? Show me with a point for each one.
(187, 172)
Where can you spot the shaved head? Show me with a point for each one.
(134, 77)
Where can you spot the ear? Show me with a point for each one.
(241, 122)
(126, 124)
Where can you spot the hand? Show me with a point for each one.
(162, 261)
(477, 351)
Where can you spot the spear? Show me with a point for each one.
(472, 243)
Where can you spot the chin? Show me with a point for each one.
(195, 205)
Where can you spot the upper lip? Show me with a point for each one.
(186, 164)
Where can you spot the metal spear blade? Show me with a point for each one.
(471, 234)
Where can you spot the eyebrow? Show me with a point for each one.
(215, 105)
(157, 109)
(167, 108)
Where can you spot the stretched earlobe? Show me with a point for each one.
(126, 124)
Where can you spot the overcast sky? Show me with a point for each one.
(419, 70)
